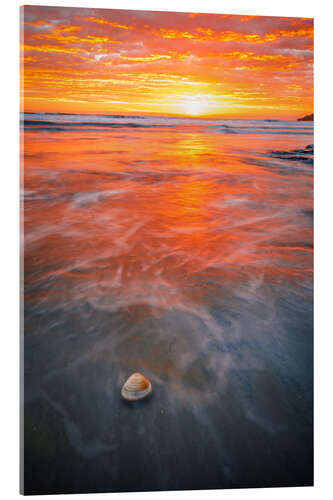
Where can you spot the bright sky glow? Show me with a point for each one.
(125, 62)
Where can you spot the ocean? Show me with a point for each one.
(182, 249)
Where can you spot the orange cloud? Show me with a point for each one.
(251, 56)
(151, 58)
(58, 36)
(37, 24)
(51, 48)
(108, 23)
(203, 34)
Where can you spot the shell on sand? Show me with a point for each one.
(136, 387)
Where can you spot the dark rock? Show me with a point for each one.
(306, 118)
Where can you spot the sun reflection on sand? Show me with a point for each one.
(154, 231)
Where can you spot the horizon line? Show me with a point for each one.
(154, 115)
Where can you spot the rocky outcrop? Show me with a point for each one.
(306, 118)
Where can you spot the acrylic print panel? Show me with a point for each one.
(168, 217)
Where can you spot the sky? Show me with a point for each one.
(99, 61)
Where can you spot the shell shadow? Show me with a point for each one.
(141, 403)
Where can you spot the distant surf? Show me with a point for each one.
(63, 122)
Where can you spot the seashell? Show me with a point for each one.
(136, 387)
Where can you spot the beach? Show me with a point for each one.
(182, 249)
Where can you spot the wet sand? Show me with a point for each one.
(190, 262)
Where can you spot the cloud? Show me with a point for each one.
(99, 52)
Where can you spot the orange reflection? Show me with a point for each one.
(171, 227)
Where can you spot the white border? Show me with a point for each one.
(9, 424)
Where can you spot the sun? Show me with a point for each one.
(196, 105)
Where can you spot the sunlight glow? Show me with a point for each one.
(196, 105)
